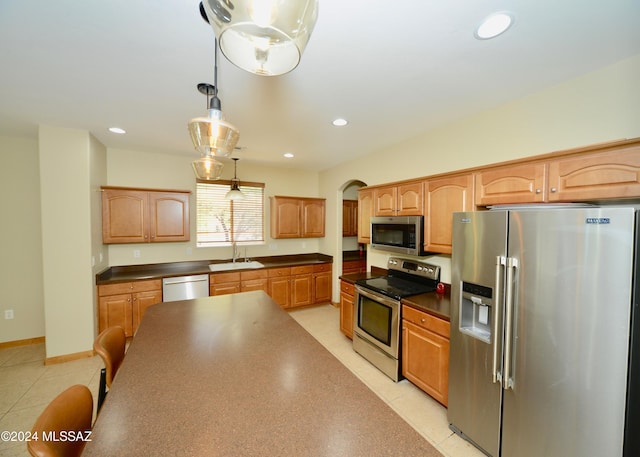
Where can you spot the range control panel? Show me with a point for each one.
(413, 267)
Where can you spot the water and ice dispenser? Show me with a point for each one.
(476, 311)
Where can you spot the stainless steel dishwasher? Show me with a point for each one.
(185, 287)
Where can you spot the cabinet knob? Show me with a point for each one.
(423, 320)
(553, 189)
(538, 191)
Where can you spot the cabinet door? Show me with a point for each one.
(365, 210)
(139, 304)
(322, 287)
(286, 217)
(124, 216)
(115, 310)
(611, 174)
(425, 360)
(349, 217)
(313, 218)
(444, 197)
(385, 201)
(347, 291)
(409, 201)
(168, 216)
(280, 291)
(301, 290)
(511, 184)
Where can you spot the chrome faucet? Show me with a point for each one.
(235, 251)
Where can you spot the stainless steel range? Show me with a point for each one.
(377, 311)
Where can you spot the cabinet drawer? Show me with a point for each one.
(279, 272)
(115, 289)
(347, 288)
(217, 278)
(144, 286)
(254, 274)
(426, 321)
(304, 269)
(322, 267)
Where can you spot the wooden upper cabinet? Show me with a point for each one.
(144, 216)
(399, 200)
(443, 197)
(313, 217)
(610, 174)
(286, 217)
(349, 217)
(365, 211)
(297, 217)
(511, 184)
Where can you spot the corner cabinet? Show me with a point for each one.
(131, 215)
(297, 217)
(365, 211)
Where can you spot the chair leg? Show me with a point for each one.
(102, 391)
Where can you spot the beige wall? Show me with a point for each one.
(20, 240)
(601, 106)
(65, 196)
(598, 107)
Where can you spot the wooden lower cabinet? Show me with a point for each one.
(425, 352)
(124, 304)
(254, 280)
(347, 300)
(322, 283)
(354, 266)
(224, 283)
(280, 286)
(301, 285)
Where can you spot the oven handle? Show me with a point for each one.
(377, 297)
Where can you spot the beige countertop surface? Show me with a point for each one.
(235, 375)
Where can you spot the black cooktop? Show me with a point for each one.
(405, 278)
(397, 287)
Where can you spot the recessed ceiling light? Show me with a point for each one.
(494, 25)
(117, 130)
(340, 122)
(288, 155)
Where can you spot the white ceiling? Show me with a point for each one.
(394, 69)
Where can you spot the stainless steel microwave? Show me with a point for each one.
(398, 234)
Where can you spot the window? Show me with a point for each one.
(221, 222)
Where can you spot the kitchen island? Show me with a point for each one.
(236, 375)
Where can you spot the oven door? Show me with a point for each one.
(377, 320)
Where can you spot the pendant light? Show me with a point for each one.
(207, 168)
(235, 193)
(265, 37)
(213, 135)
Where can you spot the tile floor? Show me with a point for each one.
(27, 386)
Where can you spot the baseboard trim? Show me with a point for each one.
(68, 357)
(26, 342)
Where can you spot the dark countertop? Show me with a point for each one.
(437, 304)
(164, 270)
(236, 375)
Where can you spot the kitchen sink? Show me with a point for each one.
(235, 266)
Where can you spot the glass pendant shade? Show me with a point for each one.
(265, 37)
(212, 135)
(235, 193)
(208, 168)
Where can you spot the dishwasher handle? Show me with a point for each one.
(188, 280)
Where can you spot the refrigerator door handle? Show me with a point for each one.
(512, 264)
(500, 264)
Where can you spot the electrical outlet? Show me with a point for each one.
(8, 314)
(273, 246)
(189, 250)
(136, 253)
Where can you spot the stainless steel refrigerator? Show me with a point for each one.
(542, 345)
